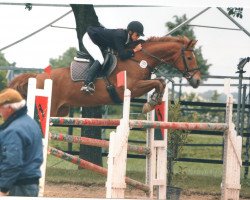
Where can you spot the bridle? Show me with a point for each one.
(187, 71)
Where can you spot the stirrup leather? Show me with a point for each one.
(90, 88)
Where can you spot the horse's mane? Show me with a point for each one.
(179, 39)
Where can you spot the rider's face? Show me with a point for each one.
(134, 36)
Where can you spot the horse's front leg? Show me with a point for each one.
(144, 86)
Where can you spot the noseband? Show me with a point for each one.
(186, 73)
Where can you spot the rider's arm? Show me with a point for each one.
(122, 52)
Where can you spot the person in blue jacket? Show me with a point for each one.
(21, 150)
(97, 37)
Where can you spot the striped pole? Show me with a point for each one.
(93, 167)
(138, 124)
(95, 142)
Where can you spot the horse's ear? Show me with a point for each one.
(191, 43)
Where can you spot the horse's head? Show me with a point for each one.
(179, 52)
(187, 65)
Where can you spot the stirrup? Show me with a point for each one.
(90, 88)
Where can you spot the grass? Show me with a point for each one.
(205, 178)
(197, 177)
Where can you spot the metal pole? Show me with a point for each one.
(239, 99)
(187, 21)
(236, 23)
(70, 129)
(172, 93)
(247, 141)
(243, 110)
(180, 89)
(240, 71)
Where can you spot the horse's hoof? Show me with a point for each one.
(147, 108)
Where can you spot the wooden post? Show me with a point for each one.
(156, 162)
(42, 99)
(230, 186)
(117, 157)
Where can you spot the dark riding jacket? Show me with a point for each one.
(116, 39)
(21, 151)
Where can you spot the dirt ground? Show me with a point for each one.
(76, 191)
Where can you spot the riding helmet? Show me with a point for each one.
(136, 26)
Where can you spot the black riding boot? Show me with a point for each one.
(90, 77)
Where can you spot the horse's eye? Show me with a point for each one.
(189, 58)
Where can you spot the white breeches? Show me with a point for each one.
(92, 48)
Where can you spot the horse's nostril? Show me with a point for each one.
(195, 83)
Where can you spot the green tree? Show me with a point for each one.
(176, 138)
(235, 12)
(3, 62)
(215, 96)
(189, 32)
(192, 96)
(85, 16)
(64, 60)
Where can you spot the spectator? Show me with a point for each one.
(21, 151)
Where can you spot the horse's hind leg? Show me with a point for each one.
(59, 111)
(63, 111)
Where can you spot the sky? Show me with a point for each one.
(222, 48)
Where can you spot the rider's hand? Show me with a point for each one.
(138, 48)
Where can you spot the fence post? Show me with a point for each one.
(156, 162)
(39, 102)
(117, 157)
(230, 187)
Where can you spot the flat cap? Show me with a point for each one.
(9, 96)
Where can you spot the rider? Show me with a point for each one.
(99, 37)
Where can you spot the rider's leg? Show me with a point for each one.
(96, 54)
(90, 77)
(92, 48)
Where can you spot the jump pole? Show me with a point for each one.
(138, 124)
(93, 167)
(39, 102)
(95, 142)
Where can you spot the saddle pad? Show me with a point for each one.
(78, 70)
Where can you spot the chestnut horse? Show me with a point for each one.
(174, 51)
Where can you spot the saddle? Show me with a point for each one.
(82, 62)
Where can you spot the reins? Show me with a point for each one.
(185, 73)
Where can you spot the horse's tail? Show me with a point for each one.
(20, 83)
